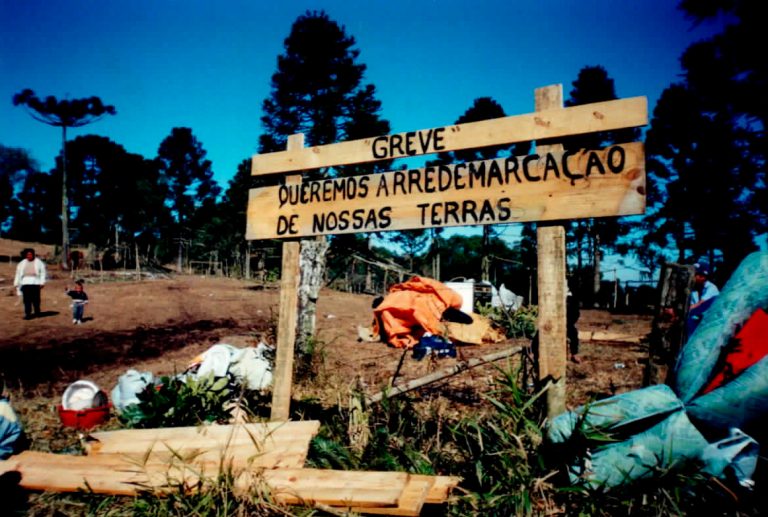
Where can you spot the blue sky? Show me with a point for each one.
(207, 65)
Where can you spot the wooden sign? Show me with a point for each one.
(553, 123)
(537, 187)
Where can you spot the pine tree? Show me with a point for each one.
(317, 90)
(187, 175)
(706, 147)
(15, 165)
(64, 113)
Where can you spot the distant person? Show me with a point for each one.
(572, 314)
(702, 296)
(29, 280)
(75, 258)
(79, 299)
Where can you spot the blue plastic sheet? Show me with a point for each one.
(10, 429)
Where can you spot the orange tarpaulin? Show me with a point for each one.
(413, 308)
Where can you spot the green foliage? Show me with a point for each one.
(499, 459)
(518, 324)
(64, 112)
(213, 497)
(186, 401)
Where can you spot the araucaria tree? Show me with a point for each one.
(707, 145)
(189, 179)
(318, 91)
(596, 234)
(64, 113)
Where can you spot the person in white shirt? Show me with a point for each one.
(29, 280)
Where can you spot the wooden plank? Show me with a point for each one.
(239, 457)
(552, 288)
(442, 488)
(602, 335)
(269, 445)
(549, 185)
(288, 315)
(411, 500)
(261, 435)
(557, 122)
(109, 474)
(337, 488)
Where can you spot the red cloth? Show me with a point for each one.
(413, 308)
(751, 345)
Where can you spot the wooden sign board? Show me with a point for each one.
(546, 124)
(550, 186)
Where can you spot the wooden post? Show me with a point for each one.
(668, 327)
(288, 314)
(551, 278)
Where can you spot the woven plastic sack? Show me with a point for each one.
(633, 435)
(744, 293)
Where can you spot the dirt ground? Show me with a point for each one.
(160, 324)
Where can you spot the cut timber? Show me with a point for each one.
(544, 124)
(550, 243)
(442, 374)
(283, 444)
(598, 335)
(391, 493)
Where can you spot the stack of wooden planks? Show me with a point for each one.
(260, 458)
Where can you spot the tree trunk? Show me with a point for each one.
(596, 268)
(312, 264)
(136, 257)
(485, 262)
(247, 260)
(179, 258)
(64, 203)
(368, 279)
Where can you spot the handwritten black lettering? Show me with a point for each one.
(412, 144)
(567, 171)
(550, 164)
(613, 153)
(593, 162)
(287, 225)
(526, 171)
(382, 189)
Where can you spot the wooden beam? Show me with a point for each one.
(550, 123)
(545, 186)
(290, 275)
(552, 288)
(389, 493)
(269, 445)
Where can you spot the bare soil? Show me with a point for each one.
(161, 324)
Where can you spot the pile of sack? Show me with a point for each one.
(251, 366)
(712, 412)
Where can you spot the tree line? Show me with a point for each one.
(705, 149)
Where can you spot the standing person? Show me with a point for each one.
(79, 299)
(29, 280)
(703, 294)
(572, 314)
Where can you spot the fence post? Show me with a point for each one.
(551, 280)
(288, 314)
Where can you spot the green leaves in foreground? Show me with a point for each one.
(183, 401)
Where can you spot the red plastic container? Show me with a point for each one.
(84, 418)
